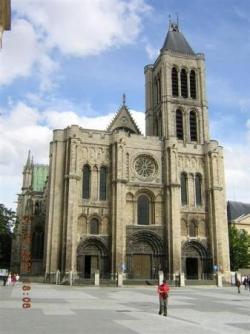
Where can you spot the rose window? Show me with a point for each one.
(145, 166)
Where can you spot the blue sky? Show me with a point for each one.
(69, 62)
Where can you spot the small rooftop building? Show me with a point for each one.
(238, 214)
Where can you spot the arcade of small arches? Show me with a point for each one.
(92, 225)
(193, 228)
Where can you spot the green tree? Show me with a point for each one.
(239, 243)
(7, 223)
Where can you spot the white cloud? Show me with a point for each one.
(237, 172)
(74, 27)
(20, 131)
(245, 105)
(86, 27)
(23, 54)
(20, 52)
(152, 52)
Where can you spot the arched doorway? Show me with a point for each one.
(92, 255)
(196, 261)
(145, 255)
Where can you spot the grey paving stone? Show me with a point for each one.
(127, 310)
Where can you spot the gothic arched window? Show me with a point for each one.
(86, 182)
(175, 90)
(192, 84)
(198, 199)
(192, 229)
(184, 88)
(94, 226)
(193, 126)
(179, 124)
(143, 210)
(184, 197)
(103, 183)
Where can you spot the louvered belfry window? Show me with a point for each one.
(143, 210)
(103, 183)
(175, 90)
(184, 88)
(86, 182)
(192, 84)
(193, 126)
(179, 124)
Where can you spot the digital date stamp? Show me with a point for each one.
(26, 300)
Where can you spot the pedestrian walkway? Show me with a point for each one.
(127, 310)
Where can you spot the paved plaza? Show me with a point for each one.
(127, 310)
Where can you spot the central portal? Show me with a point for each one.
(141, 266)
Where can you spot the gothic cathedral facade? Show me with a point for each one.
(118, 201)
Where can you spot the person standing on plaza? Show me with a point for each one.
(248, 282)
(163, 290)
(245, 282)
(8, 280)
(238, 284)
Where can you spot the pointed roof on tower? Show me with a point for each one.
(124, 120)
(175, 41)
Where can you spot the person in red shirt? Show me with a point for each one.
(163, 290)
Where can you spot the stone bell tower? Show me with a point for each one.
(193, 170)
(177, 81)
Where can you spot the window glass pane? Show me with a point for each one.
(103, 184)
(183, 189)
(86, 182)
(94, 226)
(175, 91)
(184, 91)
(179, 124)
(192, 84)
(193, 126)
(143, 210)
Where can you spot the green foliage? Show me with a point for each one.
(239, 242)
(7, 220)
(7, 224)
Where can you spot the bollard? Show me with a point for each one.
(120, 279)
(97, 278)
(182, 279)
(218, 279)
(70, 278)
(57, 277)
